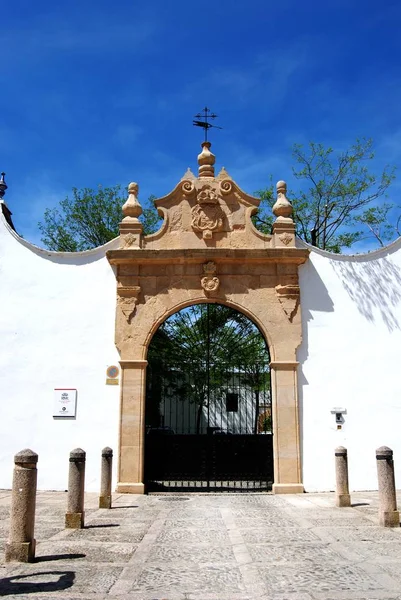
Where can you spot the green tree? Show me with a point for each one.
(339, 201)
(89, 218)
(212, 341)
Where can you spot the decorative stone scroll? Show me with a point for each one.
(207, 215)
(210, 283)
(127, 300)
(288, 296)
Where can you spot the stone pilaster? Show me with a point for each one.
(132, 427)
(287, 460)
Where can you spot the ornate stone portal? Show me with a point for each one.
(208, 250)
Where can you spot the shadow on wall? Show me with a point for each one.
(374, 285)
(314, 297)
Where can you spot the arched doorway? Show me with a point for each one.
(208, 251)
(208, 416)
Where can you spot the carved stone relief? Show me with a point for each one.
(288, 296)
(127, 301)
(129, 240)
(210, 283)
(286, 238)
(176, 268)
(207, 214)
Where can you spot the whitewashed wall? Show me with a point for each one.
(57, 314)
(57, 330)
(350, 358)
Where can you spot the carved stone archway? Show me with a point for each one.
(208, 250)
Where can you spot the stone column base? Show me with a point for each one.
(390, 518)
(74, 520)
(130, 488)
(20, 551)
(104, 501)
(343, 500)
(288, 488)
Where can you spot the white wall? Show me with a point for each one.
(57, 314)
(350, 357)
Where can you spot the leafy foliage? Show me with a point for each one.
(204, 336)
(339, 201)
(88, 219)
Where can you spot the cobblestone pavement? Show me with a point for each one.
(208, 547)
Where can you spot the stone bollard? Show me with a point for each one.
(106, 475)
(21, 543)
(342, 492)
(388, 513)
(75, 515)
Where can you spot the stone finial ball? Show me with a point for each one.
(133, 188)
(281, 186)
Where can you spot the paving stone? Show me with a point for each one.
(208, 547)
(97, 552)
(277, 535)
(199, 554)
(195, 513)
(194, 523)
(359, 534)
(318, 577)
(127, 535)
(173, 578)
(97, 579)
(295, 553)
(349, 521)
(193, 536)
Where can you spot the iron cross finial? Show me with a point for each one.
(204, 123)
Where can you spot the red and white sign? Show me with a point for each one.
(65, 402)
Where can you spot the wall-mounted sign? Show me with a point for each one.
(112, 374)
(65, 402)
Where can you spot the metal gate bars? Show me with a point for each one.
(208, 404)
(208, 427)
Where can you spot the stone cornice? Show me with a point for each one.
(295, 256)
(284, 365)
(133, 364)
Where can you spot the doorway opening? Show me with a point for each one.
(208, 416)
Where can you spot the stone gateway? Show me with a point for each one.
(208, 250)
(332, 325)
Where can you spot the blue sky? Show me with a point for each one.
(104, 93)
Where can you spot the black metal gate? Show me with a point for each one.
(208, 421)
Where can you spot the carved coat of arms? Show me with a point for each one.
(207, 215)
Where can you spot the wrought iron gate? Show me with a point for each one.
(208, 423)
